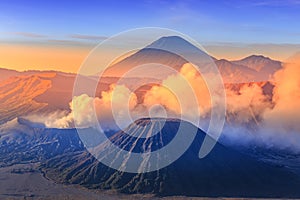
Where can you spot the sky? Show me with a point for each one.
(58, 35)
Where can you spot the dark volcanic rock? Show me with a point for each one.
(224, 172)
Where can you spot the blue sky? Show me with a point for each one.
(258, 21)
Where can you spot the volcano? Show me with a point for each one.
(224, 172)
(170, 51)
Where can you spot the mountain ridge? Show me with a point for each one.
(224, 172)
(174, 47)
(42, 91)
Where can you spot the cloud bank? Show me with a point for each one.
(83, 109)
(251, 115)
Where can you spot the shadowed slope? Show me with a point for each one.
(224, 172)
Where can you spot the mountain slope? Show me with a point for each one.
(169, 50)
(22, 141)
(17, 95)
(7, 73)
(147, 56)
(263, 65)
(36, 92)
(166, 51)
(224, 172)
(259, 63)
(235, 73)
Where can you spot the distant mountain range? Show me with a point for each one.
(259, 63)
(170, 51)
(224, 172)
(29, 92)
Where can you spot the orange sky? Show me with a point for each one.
(23, 57)
(68, 58)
